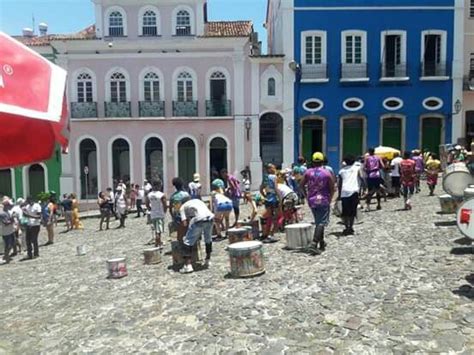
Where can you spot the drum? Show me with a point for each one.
(449, 205)
(456, 179)
(177, 254)
(236, 235)
(469, 192)
(299, 235)
(465, 218)
(246, 259)
(152, 256)
(254, 228)
(81, 250)
(117, 268)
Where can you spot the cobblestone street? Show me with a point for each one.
(403, 284)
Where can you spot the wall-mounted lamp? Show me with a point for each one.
(294, 66)
(457, 107)
(248, 127)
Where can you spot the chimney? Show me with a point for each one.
(43, 29)
(27, 32)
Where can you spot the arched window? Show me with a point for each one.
(121, 160)
(183, 23)
(84, 86)
(154, 159)
(151, 87)
(116, 24)
(218, 86)
(217, 155)
(118, 87)
(149, 23)
(271, 87)
(88, 158)
(271, 138)
(184, 87)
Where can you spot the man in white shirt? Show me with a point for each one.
(199, 219)
(395, 167)
(157, 205)
(140, 198)
(33, 212)
(349, 187)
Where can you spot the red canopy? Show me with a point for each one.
(33, 105)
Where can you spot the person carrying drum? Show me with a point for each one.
(320, 186)
(196, 216)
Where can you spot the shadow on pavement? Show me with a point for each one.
(445, 224)
(463, 241)
(465, 291)
(462, 250)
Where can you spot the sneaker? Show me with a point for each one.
(313, 250)
(207, 263)
(322, 246)
(186, 269)
(48, 243)
(269, 240)
(379, 208)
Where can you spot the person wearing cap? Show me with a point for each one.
(195, 187)
(7, 222)
(320, 191)
(233, 192)
(268, 190)
(372, 166)
(221, 206)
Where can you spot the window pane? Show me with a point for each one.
(123, 91)
(271, 87)
(189, 90)
(349, 49)
(357, 49)
(156, 91)
(147, 91)
(113, 92)
(309, 50)
(180, 90)
(89, 92)
(317, 50)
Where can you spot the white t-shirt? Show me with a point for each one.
(141, 194)
(284, 190)
(350, 180)
(156, 205)
(195, 211)
(34, 209)
(395, 165)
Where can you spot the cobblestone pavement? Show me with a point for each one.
(403, 284)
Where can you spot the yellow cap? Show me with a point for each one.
(318, 156)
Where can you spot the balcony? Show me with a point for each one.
(118, 109)
(434, 71)
(218, 108)
(468, 82)
(393, 72)
(83, 110)
(354, 72)
(185, 108)
(151, 108)
(314, 73)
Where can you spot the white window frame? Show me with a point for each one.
(75, 81)
(444, 47)
(434, 108)
(403, 119)
(403, 52)
(176, 73)
(141, 89)
(363, 35)
(192, 18)
(107, 80)
(271, 101)
(107, 19)
(323, 35)
(388, 108)
(140, 19)
(312, 111)
(227, 79)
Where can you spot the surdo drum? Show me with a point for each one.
(117, 268)
(299, 236)
(456, 178)
(246, 259)
(449, 205)
(236, 235)
(152, 256)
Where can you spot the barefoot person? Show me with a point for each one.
(320, 186)
(199, 220)
(157, 205)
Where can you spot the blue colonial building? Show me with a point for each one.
(370, 72)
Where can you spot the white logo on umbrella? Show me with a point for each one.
(9, 71)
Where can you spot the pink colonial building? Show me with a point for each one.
(157, 90)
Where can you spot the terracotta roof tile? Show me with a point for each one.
(228, 29)
(86, 33)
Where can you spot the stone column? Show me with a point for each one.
(239, 108)
(255, 160)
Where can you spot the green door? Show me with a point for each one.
(36, 180)
(392, 132)
(6, 183)
(353, 137)
(431, 134)
(312, 138)
(187, 159)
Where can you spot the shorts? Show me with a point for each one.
(197, 229)
(236, 204)
(224, 207)
(349, 205)
(374, 183)
(396, 181)
(158, 225)
(321, 215)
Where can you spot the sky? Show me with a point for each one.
(67, 16)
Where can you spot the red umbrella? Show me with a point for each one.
(33, 105)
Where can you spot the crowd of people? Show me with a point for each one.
(277, 203)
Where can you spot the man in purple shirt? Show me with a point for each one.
(372, 167)
(233, 192)
(320, 191)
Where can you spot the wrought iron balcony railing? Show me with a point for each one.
(118, 109)
(434, 69)
(393, 70)
(185, 108)
(314, 71)
(354, 71)
(151, 108)
(218, 108)
(83, 109)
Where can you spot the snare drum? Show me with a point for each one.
(117, 268)
(299, 235)
(246, 259)
(152, 256)
(456, 179)
(236, 235)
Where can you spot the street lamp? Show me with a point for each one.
(457, 107)
(248, 127)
